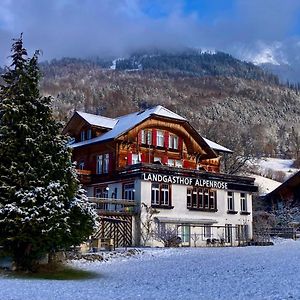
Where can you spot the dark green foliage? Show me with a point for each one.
(195, 63)
(41, 206)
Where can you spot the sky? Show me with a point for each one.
(114, 28)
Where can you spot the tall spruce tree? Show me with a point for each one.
(42, 207)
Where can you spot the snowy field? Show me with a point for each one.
(202, 273)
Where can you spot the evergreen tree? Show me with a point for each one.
(42, 207)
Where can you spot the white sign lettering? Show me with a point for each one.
(185, 181)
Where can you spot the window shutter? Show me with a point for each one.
(165, 159)
(143, 157)
(185, 164)
(140, 137)
(154, 137)
(129, 158)
(166, 139)
(180, 143)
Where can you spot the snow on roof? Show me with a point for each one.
(98, 120)
(216, 146)
(127, 122)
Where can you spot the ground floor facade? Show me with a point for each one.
(162, 206)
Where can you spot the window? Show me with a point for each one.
(105, 163)
(228, 233)
(101, 192)
(135, 159)
(189, 198)
(81, 165)
(155, 194)
(173, 142)
(206, 198)
(185, 233)
(171, 162)
(160, 138)
(89, 134)
(129, 191)
(207, 231)
(82, 135)
(102, 163)
(230, 201)
(146, 136)
(201, 199)
(178, 163)
(157, 159)
(164, 194)
(160, 194)
(243, 202)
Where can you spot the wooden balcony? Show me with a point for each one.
(114, 207)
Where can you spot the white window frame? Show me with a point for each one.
(135, 159)
(129, 191)
(243, 202)
(173, 141)
(155, 194)
(89, 134)
(230, 201)
(160, 138)
(99, 164)
(171, 162)
(178, 163)
(82, 135)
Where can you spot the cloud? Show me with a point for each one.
(80, 28)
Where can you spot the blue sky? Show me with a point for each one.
(81, 28)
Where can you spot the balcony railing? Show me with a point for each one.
(112, 206)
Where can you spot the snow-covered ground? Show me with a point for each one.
(275, 164)
(183, 273)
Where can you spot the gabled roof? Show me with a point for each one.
(96, 120)
(127, 122)
(123, 124)
(216, 146)
(291, 183)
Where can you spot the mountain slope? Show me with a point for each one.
(223, 108)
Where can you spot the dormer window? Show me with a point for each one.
(82, 135)
(160, 138)
(89, 134)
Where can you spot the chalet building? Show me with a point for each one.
(154, 161)
(285, 195)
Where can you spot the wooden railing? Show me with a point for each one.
(112, 206)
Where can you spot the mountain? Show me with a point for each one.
(279, 58)
(194, 63)
(229, 101)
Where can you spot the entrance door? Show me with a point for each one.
(185, 235)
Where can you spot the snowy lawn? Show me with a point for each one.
(184, 273)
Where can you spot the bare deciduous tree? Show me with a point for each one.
(147, 222)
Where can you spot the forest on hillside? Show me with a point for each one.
(228, 101)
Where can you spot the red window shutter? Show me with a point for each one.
(110, 163)
(185, 164)
(140, 137)
(154, 137)
(166, 139)
(143, 157)
(165, 159)
(180, 143)
(129, 158)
